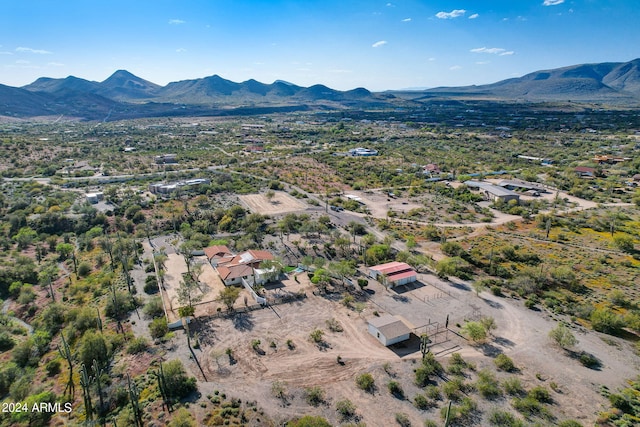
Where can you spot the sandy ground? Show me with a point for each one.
(279, 204)
(521, 333)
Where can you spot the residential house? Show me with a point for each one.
(494, 192)
(234, 268)
(585, 172)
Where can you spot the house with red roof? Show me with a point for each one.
(233, 268)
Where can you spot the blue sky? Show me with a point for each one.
(340, 43)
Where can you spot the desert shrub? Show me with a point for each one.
(309, 421)
(453, 389)
(606, 321)
(52, 367)
(84, 269)
(151, 285)
(541, 394)
(530, 407)
(314, 395)
(433, 392)
(153, 308)
(365, 382)
(562, 336)
(589, 360)
(476, 331)
(334, 325)
(504, 363)
(487, 385)
(182, 418)
(84, 318)
(158, 327)
(137, 345)
(504, 419)
(346, 409)
(316, 335)
(461, 413)
(6, 342)
(396, 389)
(420, 401)
(512, 386)
(569, 423)
(430, 366)
(403, 419)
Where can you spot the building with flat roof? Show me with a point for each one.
(494, 192)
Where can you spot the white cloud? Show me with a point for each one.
(29, 50)
(406, 20)
(432, 59)
(339, 71)
(6, 53)
(176, 22)
(474, 16)
(391, 5)
(483, 62)
(450, 15)
(455, 67)
(492, 50)
(552, 2)
(380, 43)
(22, 62)
(181, 49)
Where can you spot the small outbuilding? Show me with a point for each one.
(389, 330)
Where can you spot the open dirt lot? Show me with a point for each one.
(521, 333)
(279, 204)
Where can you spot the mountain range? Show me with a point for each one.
(124, 95)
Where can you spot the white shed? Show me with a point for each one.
(389, 330)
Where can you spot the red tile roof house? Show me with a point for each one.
(233, 268)
(394, 273)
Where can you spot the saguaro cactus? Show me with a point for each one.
(65, 352)
(85, 382)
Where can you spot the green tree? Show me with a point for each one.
(25, 237)
(343, 269)
(64, 250)
(229, 295)
(606, 321)
(93, 347)
(158, 327)
(188, 291)
(178, 383)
